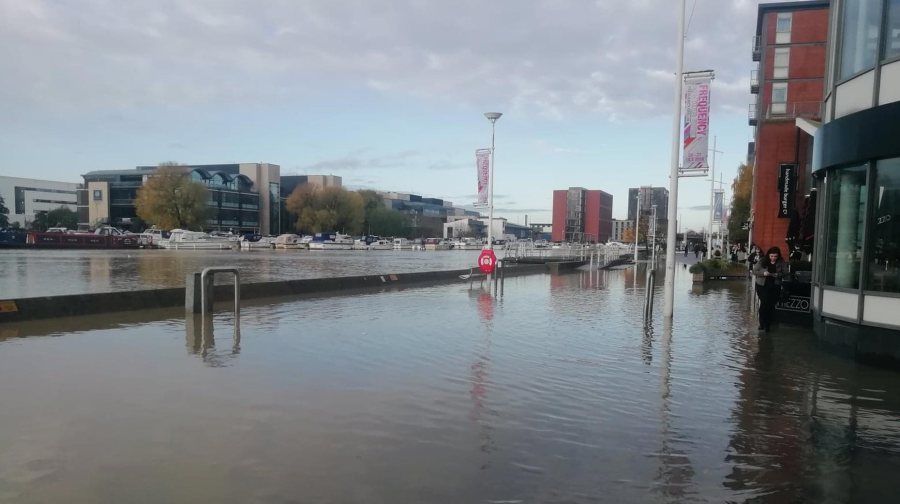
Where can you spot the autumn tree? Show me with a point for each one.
(328, 209)
(4, 212)
(742, 191)
(169, 199)
(379, 219)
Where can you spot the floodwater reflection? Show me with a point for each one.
(554, 392)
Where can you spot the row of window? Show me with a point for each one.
(850, 190)
(861, 23)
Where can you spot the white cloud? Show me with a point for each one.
(547, 58)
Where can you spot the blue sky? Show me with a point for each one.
(388, 95)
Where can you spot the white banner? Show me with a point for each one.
(696, 125)
(718, 207)
(483, 169)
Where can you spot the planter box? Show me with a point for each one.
(697, 277)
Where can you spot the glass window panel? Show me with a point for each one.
(845, 227)
(779, 93)
(892, 44)
(859, 40)
(782, 55)
(884, 266)
(784, 23)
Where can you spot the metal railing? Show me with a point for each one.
(207, 281)
(791, 110)
(757, 48)
(753, 113)
(754, 81)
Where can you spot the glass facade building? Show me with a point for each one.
(856, 169)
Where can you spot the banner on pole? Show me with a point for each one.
(696, 126)
(483, 169)
(787, 184)
(718, 207)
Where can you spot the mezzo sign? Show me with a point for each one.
(799, 304)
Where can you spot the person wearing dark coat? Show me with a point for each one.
(769, 272)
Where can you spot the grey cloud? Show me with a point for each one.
(553, 59)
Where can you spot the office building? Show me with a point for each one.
(619, 227)
(582, 215)
(26, 197)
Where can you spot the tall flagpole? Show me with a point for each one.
(671, 237)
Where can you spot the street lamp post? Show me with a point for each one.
(491, 116)
(637, 224)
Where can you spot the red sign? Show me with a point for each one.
(487, 261)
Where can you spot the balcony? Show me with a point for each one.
(752, 113)
(757, 49)
(806, 110)
(754, 82)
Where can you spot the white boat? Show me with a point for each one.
(371, 242)
(152, 237)
(331, 241)
(256, 242)
(467, 244)
(194, 240)
(402, 244)
(436, 244)
(290, 241)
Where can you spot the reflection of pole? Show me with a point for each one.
(712, 201)
(669, 307)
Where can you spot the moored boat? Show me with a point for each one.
(402, 244)
(331, 241)
(181, 239)
(102, 237)
(290, 241)
(436, 244)
(255, 241)
(12, 238)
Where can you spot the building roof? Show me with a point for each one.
(765, 8)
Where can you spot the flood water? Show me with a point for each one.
(31, 273)
(554, 393)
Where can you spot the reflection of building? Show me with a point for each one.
(650, 196)
(619, 226)
(580, 215)
(790, 46)
(26, 197)
(856, 164)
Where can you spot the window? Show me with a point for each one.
(859, 40)
(98, 195)
(845, 227)
(782, 62)
(884, 266)
(892, 42)
(779, 98)
(783, 28)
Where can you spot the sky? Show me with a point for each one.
(389, 95)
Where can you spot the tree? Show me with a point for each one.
(329, 209)
(742, 191)
(4, 212)
(62, 217)
(169, 199)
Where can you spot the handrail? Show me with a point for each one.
(207, 285)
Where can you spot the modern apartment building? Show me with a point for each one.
(649, 197)
(619, 227)
(788, 85)
(582, 215)
(856, 169)
(244, 197)
(26, 197)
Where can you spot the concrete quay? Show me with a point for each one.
(36, 308)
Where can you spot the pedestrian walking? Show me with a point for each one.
(769, 272)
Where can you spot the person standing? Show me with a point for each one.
(769, 272)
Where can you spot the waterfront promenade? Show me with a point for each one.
(554, 392)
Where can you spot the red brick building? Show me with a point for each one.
(790, 46)
(580, 214)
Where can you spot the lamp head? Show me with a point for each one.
(493, 116)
